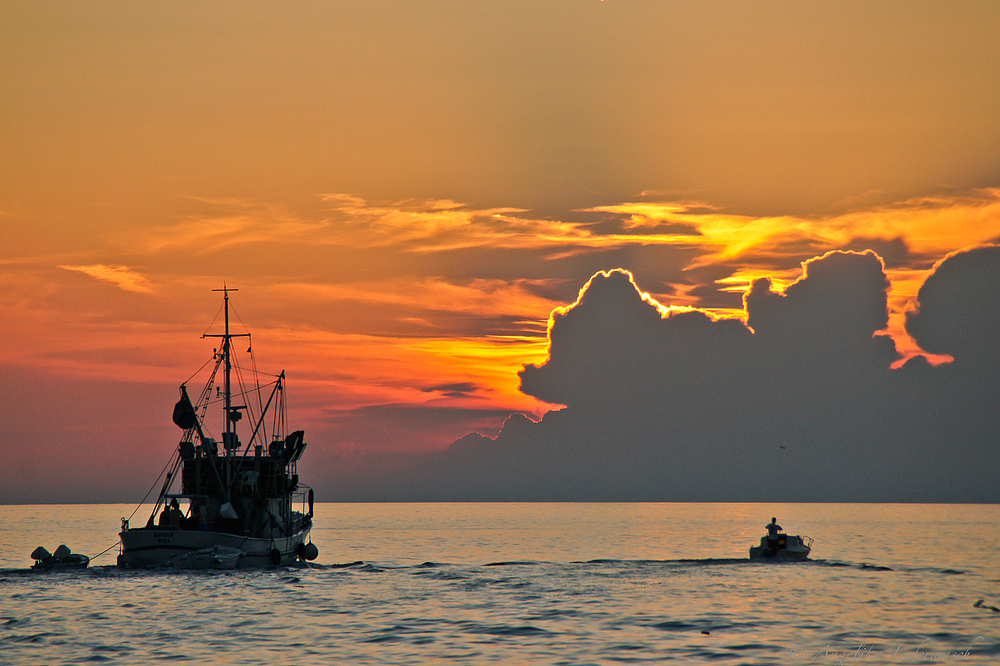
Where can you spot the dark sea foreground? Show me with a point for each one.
(526, 583)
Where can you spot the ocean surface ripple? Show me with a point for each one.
(526, 583)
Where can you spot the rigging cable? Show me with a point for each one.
(155, 483)
(198, 370)
(256, 380)
(214, 319)
(106, 550)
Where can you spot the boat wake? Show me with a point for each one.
(443, 568)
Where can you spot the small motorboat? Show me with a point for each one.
(785, 547)
(216, 557)
(63, 558)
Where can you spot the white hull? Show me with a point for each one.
(208, 558)
(150, 547)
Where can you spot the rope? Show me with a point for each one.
(155, 483)
(104, 551)
(214, 319)
(233, 310)
(199, 370)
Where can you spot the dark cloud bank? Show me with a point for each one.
(800, 406)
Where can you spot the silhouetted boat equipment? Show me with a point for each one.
(63, 558)
(239, 502)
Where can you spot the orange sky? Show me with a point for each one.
(402, 192)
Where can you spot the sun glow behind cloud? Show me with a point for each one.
(929, 227)
(417, 316)
(428, 323)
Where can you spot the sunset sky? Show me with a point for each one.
(402, 192)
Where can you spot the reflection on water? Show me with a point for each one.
(539, 583)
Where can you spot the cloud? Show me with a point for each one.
(697, 254)
(837, 306)
(434, 298)
(397, 428)
(221, 224)
(371, 304)
(442, 225)
(957, 311)
(802, 405)
(928, 226)
(903, 231)
(457, 390)
(122, 277)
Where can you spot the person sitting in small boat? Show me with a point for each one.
(772, 534)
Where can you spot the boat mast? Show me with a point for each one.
(229, 372)
(229, 439)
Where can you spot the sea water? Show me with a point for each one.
(531, 583)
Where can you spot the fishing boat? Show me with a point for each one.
(238, 506)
